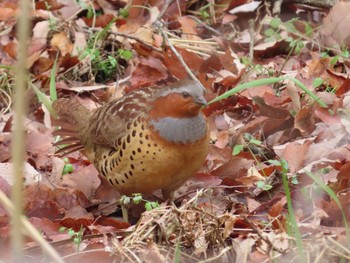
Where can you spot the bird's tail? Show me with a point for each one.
(72, 120)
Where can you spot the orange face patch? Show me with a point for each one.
(175, 105)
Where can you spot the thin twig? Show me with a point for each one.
(256, 230)
(126, 36)
(206, 26)
(159, 25)
(217, 257)
(166, 5)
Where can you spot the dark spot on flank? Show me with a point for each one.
(126, 175)
(124, 145)
(131, 158)
(147, 137)
(111, 152)
(135, 123)
(143, 169)
(141, 134)
(128, 125)
(119, 141)
(142, 127)
(104, 156)
(141, 141)
(110, 181)
(128, 138)
(133, 133)
(121, 153)
(154, 153)
(116, 180)
(130, 173)
(139, 150)
(123, 181)
(155, 145)
(132, 166)
(147, 152)
(159, 150)
(149, 145)
(133, 152)
(141, 162)
(106, 163)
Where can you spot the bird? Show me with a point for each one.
(151, 138)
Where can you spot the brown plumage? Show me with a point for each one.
(153, 138)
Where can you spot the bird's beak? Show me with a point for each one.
(201, 101)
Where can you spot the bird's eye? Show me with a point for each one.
(185, 94)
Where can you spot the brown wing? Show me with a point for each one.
(112, 121)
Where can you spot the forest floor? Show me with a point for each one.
(275, 182)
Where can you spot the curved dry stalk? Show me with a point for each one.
(8, 101)
(30, 230)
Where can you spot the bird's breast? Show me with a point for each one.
(180, 130)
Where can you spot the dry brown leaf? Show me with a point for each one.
(88, 185)
(334, 32)
(294, 154)
(151, 253)
(61, 42)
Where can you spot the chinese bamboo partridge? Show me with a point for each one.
(152, 138)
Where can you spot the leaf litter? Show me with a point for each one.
(235, 208)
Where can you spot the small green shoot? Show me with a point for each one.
(137, 199)
(250, 138)
(151, 205)
(317, 82)
(104, 65)
(53, 24)
(263, 186)
(124, 13)
(334, 60)
(294, 36)
(237, 149)
(68, 167)
(204, 14)
(294, 180)
(125, 54)
(47, 6)
(344, 54)
(77, 236)
(273, 32)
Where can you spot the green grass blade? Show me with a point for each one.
(53, 91)
(291, 216)
(44, 100)
(268, 81)
(177, 255)
(331, 193)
